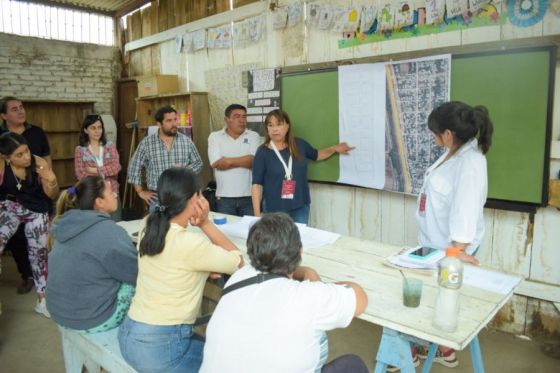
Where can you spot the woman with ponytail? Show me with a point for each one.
(93, 263)
(175, 262)
(451, 201)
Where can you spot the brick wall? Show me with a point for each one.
(39, 69)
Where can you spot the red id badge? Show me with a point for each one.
(288, 189)
(422, 205)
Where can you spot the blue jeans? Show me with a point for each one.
(238, 206)
(300, 215)
(160, 348)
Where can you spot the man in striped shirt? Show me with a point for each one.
(162, 150)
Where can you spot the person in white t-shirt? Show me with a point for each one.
(273, 314)
(451, 201)
(231, 152)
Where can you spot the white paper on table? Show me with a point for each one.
(403, 259)
(311, 238)
(362, 124)
(496, 282)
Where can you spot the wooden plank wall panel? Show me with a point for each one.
(545, 260)
(199, 9)
(171, 14)
(222, 6)
(162, 15)
(154, 22)
(239, 3)
(61, 122)
(211, 7)
(146, 18)
(181, 15)
(135, 26)
(156, 59)
(136, 67)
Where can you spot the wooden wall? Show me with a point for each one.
(61, 122)
(163, 15)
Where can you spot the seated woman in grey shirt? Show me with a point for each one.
(93, 264)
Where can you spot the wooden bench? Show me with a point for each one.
(101, 350)
(94, 351)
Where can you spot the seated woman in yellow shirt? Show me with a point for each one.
(174, 263)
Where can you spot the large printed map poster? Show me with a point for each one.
(414, 88)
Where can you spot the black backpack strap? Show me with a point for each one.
(261, 277)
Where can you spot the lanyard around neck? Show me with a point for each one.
(287, 168)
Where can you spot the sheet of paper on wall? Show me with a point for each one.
(187, 43)
(199, 39)
(486, 279)
(385, 15)
(435, 10)
(326, 15)
(361, 103)
(279, 18)
(295, 11)
(404, 14)
(368, 16)
(311, 238)
(456, 7)
(313, 12)
(256, 27)
(241, 33)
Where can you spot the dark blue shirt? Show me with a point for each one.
(269, 172)
(35, 137)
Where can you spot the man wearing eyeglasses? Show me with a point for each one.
(159, 151)
(231, 152)
(13, 120)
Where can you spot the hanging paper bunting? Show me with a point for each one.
(524, 13)
(435, 10)
(475, 5)
(385, 15)
(326, 15)
(313, 11)
(404, 14)
(456, 7)
(279, 18)
(294, 14)
(367, 18)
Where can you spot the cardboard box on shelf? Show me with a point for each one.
(151, 85)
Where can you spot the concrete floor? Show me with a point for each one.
(30, 343)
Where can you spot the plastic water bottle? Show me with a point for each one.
(450, 279)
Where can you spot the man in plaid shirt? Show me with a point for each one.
(160, 151)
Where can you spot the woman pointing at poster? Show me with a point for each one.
(280, 169)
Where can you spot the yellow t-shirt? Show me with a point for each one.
(170, 285)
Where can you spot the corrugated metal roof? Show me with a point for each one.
(105, 6)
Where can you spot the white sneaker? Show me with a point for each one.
(41, 307)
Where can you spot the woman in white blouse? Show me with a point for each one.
(451, 202)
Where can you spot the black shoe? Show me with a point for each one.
(25, 286)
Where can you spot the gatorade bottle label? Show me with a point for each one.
(453, 278)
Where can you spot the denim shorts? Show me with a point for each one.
(160, 348)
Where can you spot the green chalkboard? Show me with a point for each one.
(311, 100)
(513, 85)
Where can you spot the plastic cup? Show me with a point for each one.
(219, 220)
(412, 292)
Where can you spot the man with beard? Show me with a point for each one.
(160, 151)
(13, 117)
